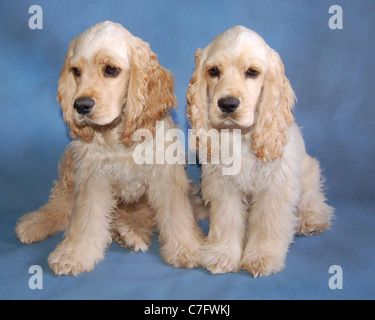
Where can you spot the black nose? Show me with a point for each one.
(84, 105)
(229, 104)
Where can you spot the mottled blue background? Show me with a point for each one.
(331, 71)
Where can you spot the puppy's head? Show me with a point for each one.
(239, 82)
(112, 78)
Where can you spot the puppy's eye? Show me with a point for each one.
(214, 72)
(76, 72)
(111, 71)
(252, 73)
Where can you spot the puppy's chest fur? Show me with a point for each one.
(253, 176)
(107, 158)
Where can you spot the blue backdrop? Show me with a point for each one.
(331, 71)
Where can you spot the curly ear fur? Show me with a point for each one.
(150, 92)
(65, 95)
(197, 101)
(275, 116)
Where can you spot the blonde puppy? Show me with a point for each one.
(239, 83)
(111, 85)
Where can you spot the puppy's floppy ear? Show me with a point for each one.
(274, 113)
(197, 99)
(150, 92)
(65, 95)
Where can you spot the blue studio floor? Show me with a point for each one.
(125, 275)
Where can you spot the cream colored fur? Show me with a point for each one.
(255, 214)
(102, 193)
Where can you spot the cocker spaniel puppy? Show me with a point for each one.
(111, 85)
(239, 83)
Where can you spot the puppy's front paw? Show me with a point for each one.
(66, 265)
(260, 266)
(218, 261)
(182, 256)
(65, 262)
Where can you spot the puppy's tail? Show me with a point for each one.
(201, 211)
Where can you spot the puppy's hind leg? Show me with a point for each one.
(315, 215)
(133, 227)
(201, 210)
(54, 216)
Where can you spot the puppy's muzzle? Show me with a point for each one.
(228, 104)
(84, 105)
